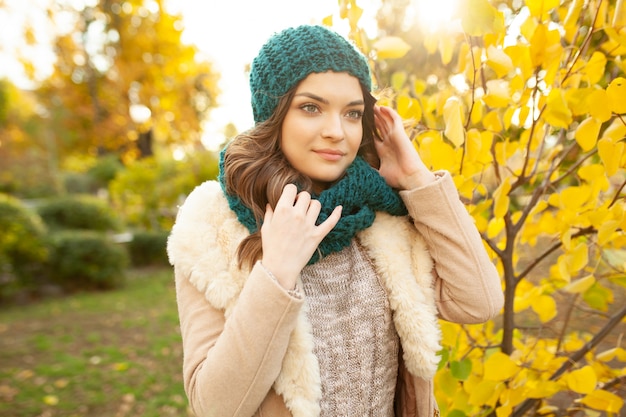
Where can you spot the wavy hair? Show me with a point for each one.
(256, 170)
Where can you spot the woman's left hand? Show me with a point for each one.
(400, 164)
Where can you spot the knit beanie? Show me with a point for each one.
(291, 55)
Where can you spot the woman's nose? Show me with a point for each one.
(333, 127)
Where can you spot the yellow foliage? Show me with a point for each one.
(612, 354)
(587, 133)
(498, 93)
(594, 69)
(545, 307)
(492, 122)
(599, 105)
(391, 47)
(619, 15)
(500, 367)
(580, 285)
(604, 401)
(541, 8)
(499, 61)
(453, 118)
(616, 91)
(582, 381)
(409, 108)
(557, 113)
(479, 17)
(501, 198)
(611, 154)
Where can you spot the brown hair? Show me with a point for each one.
(256, 171)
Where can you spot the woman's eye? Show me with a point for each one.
(355, 114)
(309, 108)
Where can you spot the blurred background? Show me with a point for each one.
(112, 111)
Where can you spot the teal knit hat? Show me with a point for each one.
(291, 55)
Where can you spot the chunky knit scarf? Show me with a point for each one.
(362, 192)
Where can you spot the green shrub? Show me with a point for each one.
(148, 248)
(78, 212)
(23, 247)
(85, 260)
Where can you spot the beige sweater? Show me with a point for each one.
(248, 346)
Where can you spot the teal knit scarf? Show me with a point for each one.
(362, 192)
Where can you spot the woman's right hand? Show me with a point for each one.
(290, 236)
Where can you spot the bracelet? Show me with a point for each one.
(295, 292)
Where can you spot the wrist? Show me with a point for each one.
(283, 279)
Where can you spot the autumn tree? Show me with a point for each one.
(525, 104)
(124, 81)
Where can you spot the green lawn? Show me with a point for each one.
(105, 354)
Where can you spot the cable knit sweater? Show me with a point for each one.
(249, 345)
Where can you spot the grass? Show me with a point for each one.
(115, 353)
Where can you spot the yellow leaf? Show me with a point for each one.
(595, 67)
(587, 133)
(479, 18)
(541, 8)
(499, 61)
(500, 367)
(619, 15)
(409, 108)
(544, 45)
(617, 95)
(51, 400)
(581, 285)
(328, 21)
(583, 380)
(482, 393)
(391, 47)
(571, 19)
(495, 226)
(453, 118)
(501, 198)
(603, 401)
(616, 130)
(610, 154)
(545, 307)
(557, 113)
(578, 258)
(599, 106)
(498, 94)
(574, 197)
(477, 112)
(447, 47)
(492, 122)
(606, 231)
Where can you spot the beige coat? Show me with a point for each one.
(248, 346)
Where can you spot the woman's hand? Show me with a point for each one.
(400, 164)
(289, 235)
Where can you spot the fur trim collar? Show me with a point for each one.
(203, 248)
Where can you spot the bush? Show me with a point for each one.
(148, 248)
(79, 212)
(84, 260)
(23, 247)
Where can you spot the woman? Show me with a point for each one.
(310, 278)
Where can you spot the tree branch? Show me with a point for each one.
(575, 358)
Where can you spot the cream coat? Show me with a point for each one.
(248, 346)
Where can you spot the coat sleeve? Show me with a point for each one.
(235, 326)
(467, 285)
(230, 364)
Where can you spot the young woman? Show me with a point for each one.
(310, 278)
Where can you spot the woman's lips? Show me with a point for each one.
(329, 154)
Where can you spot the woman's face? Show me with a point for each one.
(322, 130)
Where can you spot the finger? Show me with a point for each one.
(288, 196)
(303, 200)
(269, 213)
(327, 225)
(315, 207)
